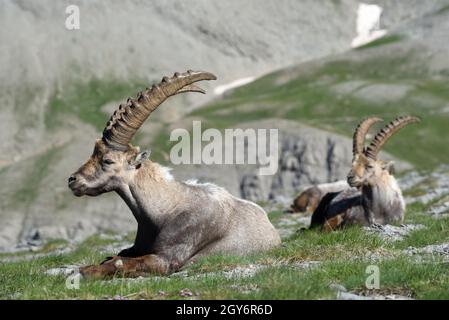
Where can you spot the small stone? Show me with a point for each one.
(341, 295)
(337, 287)
(185, 293)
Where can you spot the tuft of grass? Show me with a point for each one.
(436, 231)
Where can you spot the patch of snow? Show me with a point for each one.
(368, 24)
(234, 84)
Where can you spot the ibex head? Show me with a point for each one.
(114, 160)
(365, 164)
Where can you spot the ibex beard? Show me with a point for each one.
(177, 221)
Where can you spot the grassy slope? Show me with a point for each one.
(342, 256)
(307, 97)
(86, 99)
(311, 97)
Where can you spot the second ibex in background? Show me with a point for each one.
(373, 195)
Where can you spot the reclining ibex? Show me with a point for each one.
(308, 200)
(177, 221)
(374, 197)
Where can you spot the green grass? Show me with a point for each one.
(28, 191)
(435, 231)
(310, 97)
(381, 41)
(442, 10)
(342, 255)
(86, 99)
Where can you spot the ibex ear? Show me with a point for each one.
(389, 166)
(140, 158)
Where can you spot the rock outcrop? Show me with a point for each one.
(307, 156)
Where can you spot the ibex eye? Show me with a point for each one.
(108, 161)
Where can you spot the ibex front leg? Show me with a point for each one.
(128, 267)
(368, 204)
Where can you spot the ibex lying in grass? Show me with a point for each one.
(177, 221)
(308, 200)
(374, 197)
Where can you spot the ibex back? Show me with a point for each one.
(177, 221)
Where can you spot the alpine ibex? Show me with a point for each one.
(177, 221)
(374, 197)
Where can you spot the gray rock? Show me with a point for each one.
(31, 256)
(65, 271)
(337, 287)
(307, 156)
(342, 295)
(163, 37)
(393, 233)
(352, 296)
(223, 37)
(435, 185)
(433, 249)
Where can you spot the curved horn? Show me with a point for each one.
(358, 141)
(128, 118)
(386, 133)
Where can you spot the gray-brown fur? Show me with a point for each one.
(177, 221)
(308, 200)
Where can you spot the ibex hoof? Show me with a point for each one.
(106, 270)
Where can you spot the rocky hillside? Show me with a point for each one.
(307, 156)
(57, 88)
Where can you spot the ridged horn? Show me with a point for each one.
(129, 117)
(386, 133)
(358, 140)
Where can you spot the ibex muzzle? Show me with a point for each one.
(177, 221)
(106, 170)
